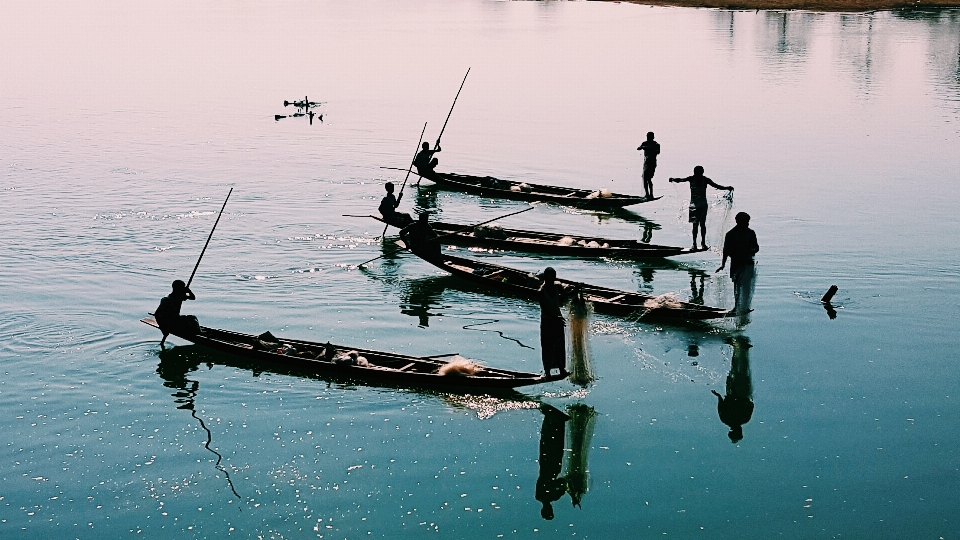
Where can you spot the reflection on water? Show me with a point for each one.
(647, 226)
(736, 406)
(173, 369)
(576, 427)
(419, 296)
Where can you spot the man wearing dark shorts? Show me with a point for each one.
(698, 203)
(651, 149)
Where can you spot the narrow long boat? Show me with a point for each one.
(605, 300)
(383, 366)
(570, 245)
(488, 186)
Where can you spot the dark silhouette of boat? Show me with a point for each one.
(488, 186)
(570, 245)
(387, 367)
(605, 300)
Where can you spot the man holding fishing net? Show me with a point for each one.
(698, 203)
(552, 295)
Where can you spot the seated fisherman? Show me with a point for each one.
(424, 162)
(421, 239)
(388, 209)
(168, 314)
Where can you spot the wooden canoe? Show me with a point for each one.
(605, 300)
(488, 186)
(388, 367)
(540, 242)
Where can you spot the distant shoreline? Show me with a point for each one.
(850, 6)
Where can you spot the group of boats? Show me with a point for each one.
(393, 368)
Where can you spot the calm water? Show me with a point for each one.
(122, 127)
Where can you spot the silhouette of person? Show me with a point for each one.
(168, 314)
(550, 485)
(424, 161)
(552, 345)
(651, 149)
(736, 407)
(698, 203)
(388, 208)
(740, 245)
(421, 239)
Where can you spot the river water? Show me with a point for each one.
(123, 126)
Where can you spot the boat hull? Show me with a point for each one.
(604, 300)
(537, 242)
(488, 186)
(385, 367)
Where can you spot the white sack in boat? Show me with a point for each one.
(565, 241)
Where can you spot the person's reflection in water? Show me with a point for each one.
(648, 228)
(550, 485)
(173, 369)
(420, 296)
(554, 433)
(696, 291)
(646, 274)
(736, 407)
(425, 198)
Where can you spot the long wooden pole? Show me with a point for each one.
(208, 239)
(451, 109)
(409, 169)
(458, 230)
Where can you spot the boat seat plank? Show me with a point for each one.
(408, 366)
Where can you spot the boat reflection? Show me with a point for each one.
(575, 426)
(735, 408)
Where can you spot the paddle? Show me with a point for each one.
(451, 109)
(458, 230)
(208, 239)
(437, 144)
(417, 151)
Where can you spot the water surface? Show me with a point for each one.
(123, 126)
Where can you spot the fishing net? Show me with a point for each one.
(579, 433)
(665, 300)
(722, 210)
(581, 369)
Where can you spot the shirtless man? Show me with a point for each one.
(424, 161)
(388, 209)
(651, 149)
(698, 203)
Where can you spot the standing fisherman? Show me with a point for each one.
(651, 149)
(698, 203)
(424, 161)
(551, 324)
(740, 245)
